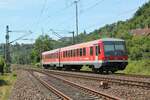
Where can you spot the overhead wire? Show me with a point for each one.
(92, 6)
(29, 33)
(87, 9)
(42, 11)
(57, 12)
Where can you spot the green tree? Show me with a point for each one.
(42, 43)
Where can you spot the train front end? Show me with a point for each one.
(115, 55)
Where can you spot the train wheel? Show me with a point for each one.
(101, 71)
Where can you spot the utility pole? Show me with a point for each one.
(73, 40)
(7, 48)
(77, 26)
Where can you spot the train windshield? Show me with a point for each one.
(115, 48)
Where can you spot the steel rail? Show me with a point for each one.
(85, 89)
(112, 80)
(55, 91)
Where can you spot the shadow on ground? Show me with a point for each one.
(3, 82)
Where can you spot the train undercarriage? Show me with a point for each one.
(106, 67)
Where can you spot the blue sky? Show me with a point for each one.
(43, 15)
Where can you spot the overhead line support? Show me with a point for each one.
(77, 24)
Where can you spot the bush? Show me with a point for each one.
(138, 67)
(38, 65)
(2, 64)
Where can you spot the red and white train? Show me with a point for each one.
(108, 54)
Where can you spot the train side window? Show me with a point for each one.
(97, 50)
(57, 55)
(64, 54)
(51, 56)
(67, 53)
(84, 51)
(71, 53)
(91, 51)
(74, 53)
(80, 51)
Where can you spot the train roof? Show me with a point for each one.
(85, 44)
(111, 39)
(51, 51)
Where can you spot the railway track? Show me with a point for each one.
(116, 74)
(89, 93)
(136, 83)
(52, 89)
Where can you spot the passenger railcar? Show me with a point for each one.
(108, 54)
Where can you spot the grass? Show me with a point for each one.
(141, 67)
(6, 83)
(86, 68)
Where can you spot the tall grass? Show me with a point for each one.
(6, 83)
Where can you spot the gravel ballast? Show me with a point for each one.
(28, 88)
(125, 92)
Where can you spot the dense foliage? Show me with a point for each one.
(2, 63)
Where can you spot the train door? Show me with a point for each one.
(59, 57)
(97, 52)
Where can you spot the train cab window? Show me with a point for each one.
(91, 51)
(80, 51)
(84, 51)
(97, 48)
